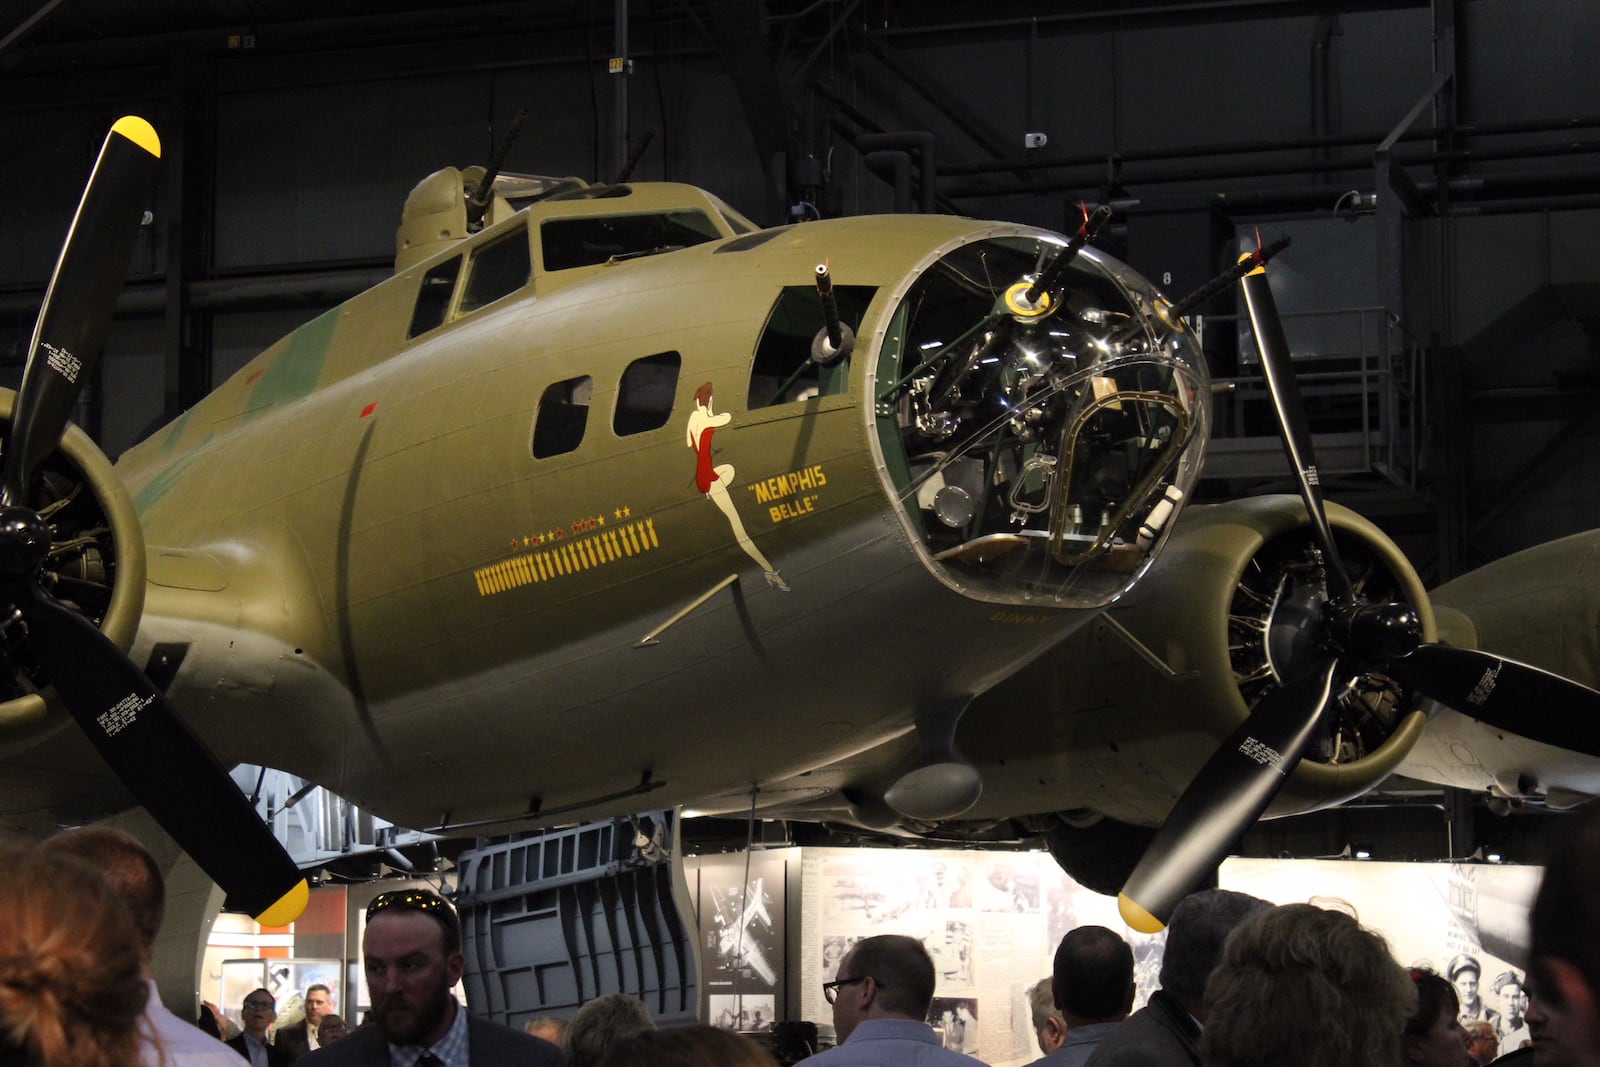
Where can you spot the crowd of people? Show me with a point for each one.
(1243, 983)
(79, 918)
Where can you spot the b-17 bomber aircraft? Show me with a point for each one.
(608, 498)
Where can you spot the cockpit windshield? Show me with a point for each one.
(1040, 440)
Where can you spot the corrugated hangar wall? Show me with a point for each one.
(292, 144)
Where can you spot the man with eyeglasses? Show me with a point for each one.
(880, 999)
(413, 959)
(260, 1011)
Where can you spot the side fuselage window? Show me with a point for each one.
(644, 397)
(783, 371)
(563, 415)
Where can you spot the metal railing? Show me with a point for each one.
(1360, 405)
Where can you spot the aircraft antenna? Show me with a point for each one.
(478, 203)
(638, 155)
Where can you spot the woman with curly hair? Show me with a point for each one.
(71, 985)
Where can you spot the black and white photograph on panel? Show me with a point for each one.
(742, 927)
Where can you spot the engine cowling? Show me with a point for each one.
(98, 559)
(1179, 662)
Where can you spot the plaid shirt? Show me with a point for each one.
(451, 1049)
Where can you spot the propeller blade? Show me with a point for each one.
(1505, 694)
(80, 299)
(162, 763)
(1226, 797)
(1278, 368)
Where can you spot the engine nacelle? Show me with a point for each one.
(1179, 662)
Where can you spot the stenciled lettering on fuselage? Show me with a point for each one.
(582, 546)
(789, 496)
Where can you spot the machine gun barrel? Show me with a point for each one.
(1046, 282)
(483, 195)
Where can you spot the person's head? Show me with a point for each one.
(72, 984)
(1048, 1026)
(1200, 924)
(1563, 983)
(1298, 984)
(1433, 1037)
(1464, 973)
(1513, 998)
(687, 1046)
(331, 1029)
(1093, 976)
(889, 976)
(1483, 1044)
(258, 1011)
(129, 869)
(319, 1001)
(601, 1023)
(549, 1027)
(412, 954)
(702, 396)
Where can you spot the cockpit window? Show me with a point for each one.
(586, 240)
(784, 371)
(497, 269)
(737, 222)
(433, 297)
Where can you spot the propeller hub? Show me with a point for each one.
(1381, 633)
(24, 541)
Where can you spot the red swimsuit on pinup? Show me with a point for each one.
(704, 473)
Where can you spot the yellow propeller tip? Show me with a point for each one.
(288, 907)
(1136, 917)
(139, 132)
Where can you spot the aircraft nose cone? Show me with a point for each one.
(24, 540)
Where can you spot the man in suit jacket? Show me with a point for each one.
(1166, 1031)
(295, 1041)
(413, 959)
(260, 1008)
(1564, 951)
